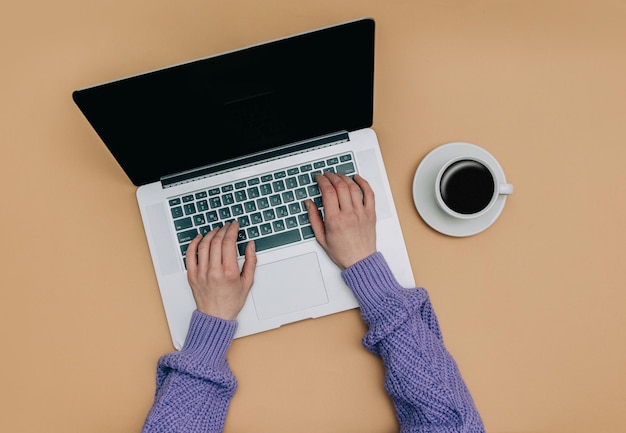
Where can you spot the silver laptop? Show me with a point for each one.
(241, 135)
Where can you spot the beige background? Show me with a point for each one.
(532, 309)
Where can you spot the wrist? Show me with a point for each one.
(356, 258)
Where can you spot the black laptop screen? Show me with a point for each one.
(223, 107)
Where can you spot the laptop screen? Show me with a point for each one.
(234, 104)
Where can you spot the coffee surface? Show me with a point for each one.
(467, 187)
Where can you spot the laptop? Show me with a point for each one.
(241, 135)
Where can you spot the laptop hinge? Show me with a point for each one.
(254, 159)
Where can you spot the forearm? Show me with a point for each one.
(195, 385)
(422, 379)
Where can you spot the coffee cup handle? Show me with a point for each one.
(506, 189)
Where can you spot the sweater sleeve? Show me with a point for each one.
(421, 377)
(195, 385)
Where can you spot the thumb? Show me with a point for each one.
(316, 222)
(249, 266)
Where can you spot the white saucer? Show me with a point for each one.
(424, 191)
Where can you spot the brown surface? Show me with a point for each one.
(532, 309)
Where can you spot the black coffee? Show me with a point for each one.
(466, 187)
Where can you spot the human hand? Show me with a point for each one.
(348, 233)
(218, 287)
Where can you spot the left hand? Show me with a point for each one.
(218, 287)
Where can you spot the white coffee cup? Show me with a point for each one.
(467, 187)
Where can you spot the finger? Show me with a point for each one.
(356, 193)
(368, 193)
(249, 266)
(343, 192)
(204, 248)
(215, 253)
(329, 195)
(316, 222)
(229, 246)
(190, 257)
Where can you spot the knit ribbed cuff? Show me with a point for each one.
(209, 338)
(371, 281)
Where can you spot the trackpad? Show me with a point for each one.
(288, 285)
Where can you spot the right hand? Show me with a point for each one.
(348, 232)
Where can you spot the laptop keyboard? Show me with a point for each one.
(270, 208)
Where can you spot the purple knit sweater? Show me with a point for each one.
(195, 385)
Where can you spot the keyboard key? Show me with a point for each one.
(190, 208)
(329, 169)
(253, 232)
(215, 202)
(303, 218)
(224, 213)
(244, 221)
(240, 196)
(293, 171)
(347, 168)
(212, 216)
(263, 203)
(228, 199)
(291, 182)
(301, 193)
(319, 164)
(307, 232)
(200, 195)
(187, 236)
(174, 201)
(318, 201)
(291, 222)
(276, 240)
(288, 197)
(256, 218)
(279, 225)
(218, 225)
(313, 190)
(304, 179)
(250, 206)
(280, 175)
(275, 200)
(227, 188)
(279, 186)
(294, 208)
(187, 198)
(199, 220)
(240, 185)
(266, 178)
(253, 192)
(269, 215)
(344, 158)
(177, 212)
(184, 248)
(266, 229)
(306, 167)
(266, 189)
(183, 224)
(214, 191)
(237, 210)
(332, 161)
(202, 205)
(254, 181)
(282, 211)
(241, 236)
(204, 230)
